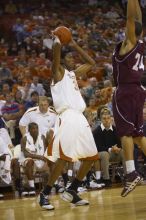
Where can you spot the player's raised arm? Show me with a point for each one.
(56, 58)
(134, 19)
(138, 15)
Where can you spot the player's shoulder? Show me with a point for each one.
(141, 44)
(69, 72)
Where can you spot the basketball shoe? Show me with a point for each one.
(72, 197)
(43, 201)
(131, 180)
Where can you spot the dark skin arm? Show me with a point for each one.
(49, 137)
(133, 14)
(28, 154)
(58, 70)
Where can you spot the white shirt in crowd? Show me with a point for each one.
(45, 121)
(38, 88)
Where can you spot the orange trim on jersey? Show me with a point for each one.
(95, 157)
(63, 156)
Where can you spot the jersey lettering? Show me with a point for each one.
(139, 62)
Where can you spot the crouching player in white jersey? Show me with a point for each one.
(73, 138)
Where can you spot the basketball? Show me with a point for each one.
(63, 33)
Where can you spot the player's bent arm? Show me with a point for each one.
(83, 69)
(84, 54)
(89, 62)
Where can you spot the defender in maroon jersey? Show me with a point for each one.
(129, 96)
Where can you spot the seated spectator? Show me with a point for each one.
(33, 147)
(10, 108)
(12, 112)
(4, 91)
(42, 59)
(5, 73)
(33, 102)
(112, 14)
(43, 115)
(18, 98)
(109, 147)
(36, 86)
(26, 89)
(143, 3)
(18, 29)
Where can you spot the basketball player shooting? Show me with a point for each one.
(129, 96)
(73, 138)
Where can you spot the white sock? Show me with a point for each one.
(130, 166)
(84, 178)
(70, 173)
(31, 183)
(98, 174)
(56, 182)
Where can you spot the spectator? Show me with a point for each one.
(43, 115)
(33, 147)
(5, 90)
(5, 72)
(109, 147)
(143, 3)
(36, 86)
(33, 102)
(18, 98)
(18, 29)
(10, 108)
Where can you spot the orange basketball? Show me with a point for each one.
(63, 33)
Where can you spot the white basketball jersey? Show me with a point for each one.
(66, 94)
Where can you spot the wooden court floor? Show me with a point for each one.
(106, 204)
